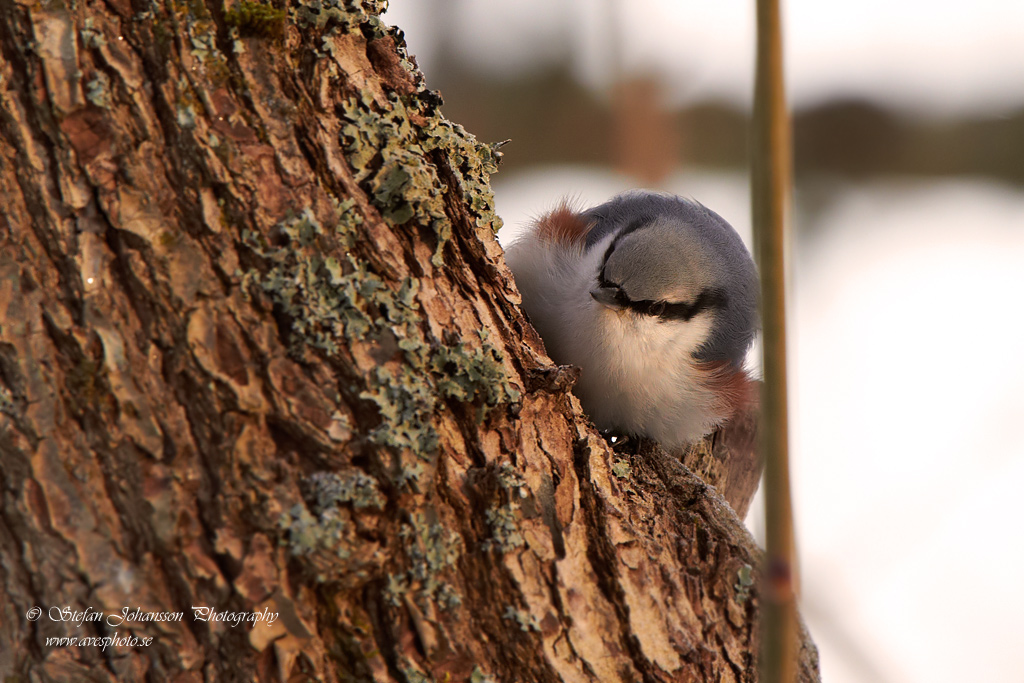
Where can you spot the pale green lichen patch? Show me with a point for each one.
(621, 469)
(472, 163)
(320, 532)
(317, 14)
(186, 116)
(478, 676)
(407, 186)
(92, 37)
(202, 36)
(430, 550)
(526, 621)
(409, 473)
(464, 373)
(384, 150)
(97, 90)
(744, 582)
(347, 221)
(390, 157)
(503, 521)
(406, 406)
(186, 103)
(329, 490)
(512, 480)
(7, 406)
(327, 300)
(504, 527)
(373, 8)
(308, 535)
(414, 675)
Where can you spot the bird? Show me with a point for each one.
(654, 298)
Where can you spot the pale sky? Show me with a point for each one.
(936, 56)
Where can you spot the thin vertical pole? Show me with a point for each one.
(771, 182)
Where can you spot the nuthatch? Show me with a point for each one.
(654, 298)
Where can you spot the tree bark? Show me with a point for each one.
(268, 407)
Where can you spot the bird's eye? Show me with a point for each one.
(657, 308)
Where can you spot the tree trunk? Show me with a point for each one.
(268, 407)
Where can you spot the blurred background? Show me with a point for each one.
(907, 324)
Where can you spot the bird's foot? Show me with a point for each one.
(622, 443)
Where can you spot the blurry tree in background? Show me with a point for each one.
(855, 138)
(643, 134)
(259, 354)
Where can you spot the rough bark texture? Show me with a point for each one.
(259, 353)
(728, 460)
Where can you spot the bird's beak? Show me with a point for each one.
(610, 297)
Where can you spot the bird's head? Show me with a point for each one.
(670, 261)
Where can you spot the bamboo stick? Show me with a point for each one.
(771, 182)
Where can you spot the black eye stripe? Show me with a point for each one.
(708, 299)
